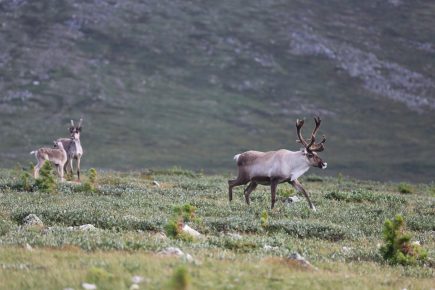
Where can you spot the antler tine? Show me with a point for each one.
(319, 146)
(80, 122)
(72, 123)
(299, 124)
(317, 121)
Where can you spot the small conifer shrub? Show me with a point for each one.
(397, 248)
(46, 182)
(180, 279)
(90, 185)
(181, 215)
(264, 219)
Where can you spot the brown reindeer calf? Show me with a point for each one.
(56, 155)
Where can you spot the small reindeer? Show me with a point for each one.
(274, 167)
(56, 155)
(73, 147)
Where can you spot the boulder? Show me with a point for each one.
(190, 231)
(32, 220)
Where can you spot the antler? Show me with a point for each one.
(299, 124)
(80, 122)
(311, 146)
(72, 123)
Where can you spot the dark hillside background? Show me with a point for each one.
(165, 83)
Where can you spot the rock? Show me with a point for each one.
(28, 247)
(292, 199)
(173, 251)
(87, 227)
(137, 279)
(190, 231)
(234, 235)
(160, 236)
(134, 287)
(89, 286)
(32, 220)
(346, 249)
(156, 183)
(300, 260)
(68, 288)
(268, 248)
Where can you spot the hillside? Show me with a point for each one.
(240, 247)
(191, 83)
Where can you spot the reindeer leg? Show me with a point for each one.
(232, 183)
(298, 186)
(70, 165)
(36, 170)
(251, 187)
(273, 186)
(60, 171)
(65, 166)
(78, 168)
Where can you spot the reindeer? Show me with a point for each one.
(274, 167)
(56, 155)
(73, 147)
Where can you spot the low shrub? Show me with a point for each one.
(361, 195)
(46, 182)
(397, 248)
(90, 185)
(5, 227)
(405, 188)
(180, 279)
(181, 215)
(264, 219)
(286, 192)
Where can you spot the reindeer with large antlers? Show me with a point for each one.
(73, 147)
(274, 167)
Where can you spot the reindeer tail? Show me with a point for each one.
(236, 157)
(33, 152)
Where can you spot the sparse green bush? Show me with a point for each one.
(264, 219)
(46, 182)
(405, 188)
(24, 178)
(186, 211)
(174, 228)
(181, 215)
(90, 185)
(180, 279)
(5, 226)
(286, 192)
(397, 248)
(360, 195)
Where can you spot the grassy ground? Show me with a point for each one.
(237, 250)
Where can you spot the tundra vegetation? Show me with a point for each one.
(241, 247)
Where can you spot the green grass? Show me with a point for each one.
(237, 250)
